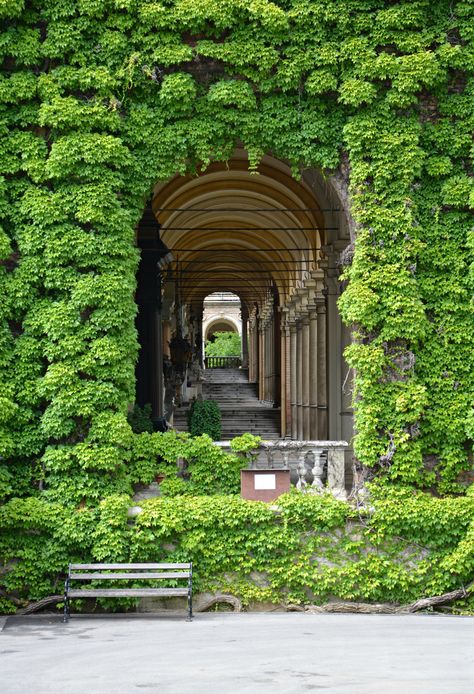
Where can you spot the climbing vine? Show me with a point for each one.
(308, 549)
(99, 99)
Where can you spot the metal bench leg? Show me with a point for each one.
(190, 608)
(190, 595)
(66, 614)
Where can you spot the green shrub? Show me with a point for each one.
(204, 417)
(247, 445)
(140, 419)
(225, 344)
(207, 468)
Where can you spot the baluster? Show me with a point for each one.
(317, 471)
(270, 458)
(301, 470)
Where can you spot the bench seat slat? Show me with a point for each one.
(114, 576)
(75, 567)
(127, 592)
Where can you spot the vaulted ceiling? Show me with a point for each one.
(232, 230)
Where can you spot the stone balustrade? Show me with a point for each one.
(222, 362)
(313, 465)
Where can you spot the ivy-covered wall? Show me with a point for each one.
(102, 98)
(311, 549)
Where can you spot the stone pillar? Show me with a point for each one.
(267, 361)
(305, 376)
(336, 473)
(245, 347)
(252, 349)
(255, 352)
(299, 378)
(293, 380)
(272, 383)
(198, 339)
(264, 362)
(334, 358)
(166, 337)
(285, 382)
(322, 379)
(313, 375)
(157, 369)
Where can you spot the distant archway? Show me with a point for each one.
(220, 325)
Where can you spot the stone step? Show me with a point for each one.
(241, 410)
(225, 375)
(236, 417)
(228, 394)
(238, 389)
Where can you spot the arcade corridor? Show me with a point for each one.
(273, 241)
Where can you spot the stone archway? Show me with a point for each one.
(222, 313)
(275, 242)
(220, 325)
(163, 94)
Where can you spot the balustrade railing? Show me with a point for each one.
(314, 465)
(222, 362)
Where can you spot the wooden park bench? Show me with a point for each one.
(128, 572)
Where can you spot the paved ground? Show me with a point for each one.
(238, 653)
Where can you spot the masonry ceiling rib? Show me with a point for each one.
(227, 216)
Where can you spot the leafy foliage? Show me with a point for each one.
(309, 549)
(205, 468)
(99, 101)
(225, 344)
(140, 419)
(102, 100)
(204, 417)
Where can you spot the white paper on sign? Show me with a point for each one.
(265, 481)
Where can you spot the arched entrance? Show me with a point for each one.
(220, 325)
(274, 242)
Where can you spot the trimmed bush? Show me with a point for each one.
(204, 417)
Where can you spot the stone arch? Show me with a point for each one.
(275, 242)
(220, 324)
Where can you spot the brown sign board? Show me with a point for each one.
(264, 485)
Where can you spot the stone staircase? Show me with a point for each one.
(240, 407)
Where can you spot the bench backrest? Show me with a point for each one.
(87, 572)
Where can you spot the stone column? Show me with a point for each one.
(272, 382)
(157, 370)
(268, 366)
(245, 347)
(255, 351)
(299, 377)
(336, 473)
(166, 337)
(252, 349)
(285, 382)
(293, 380)
(305, 376)
(264, 361)
(322, 379)
(198, 339)
(313, 374)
